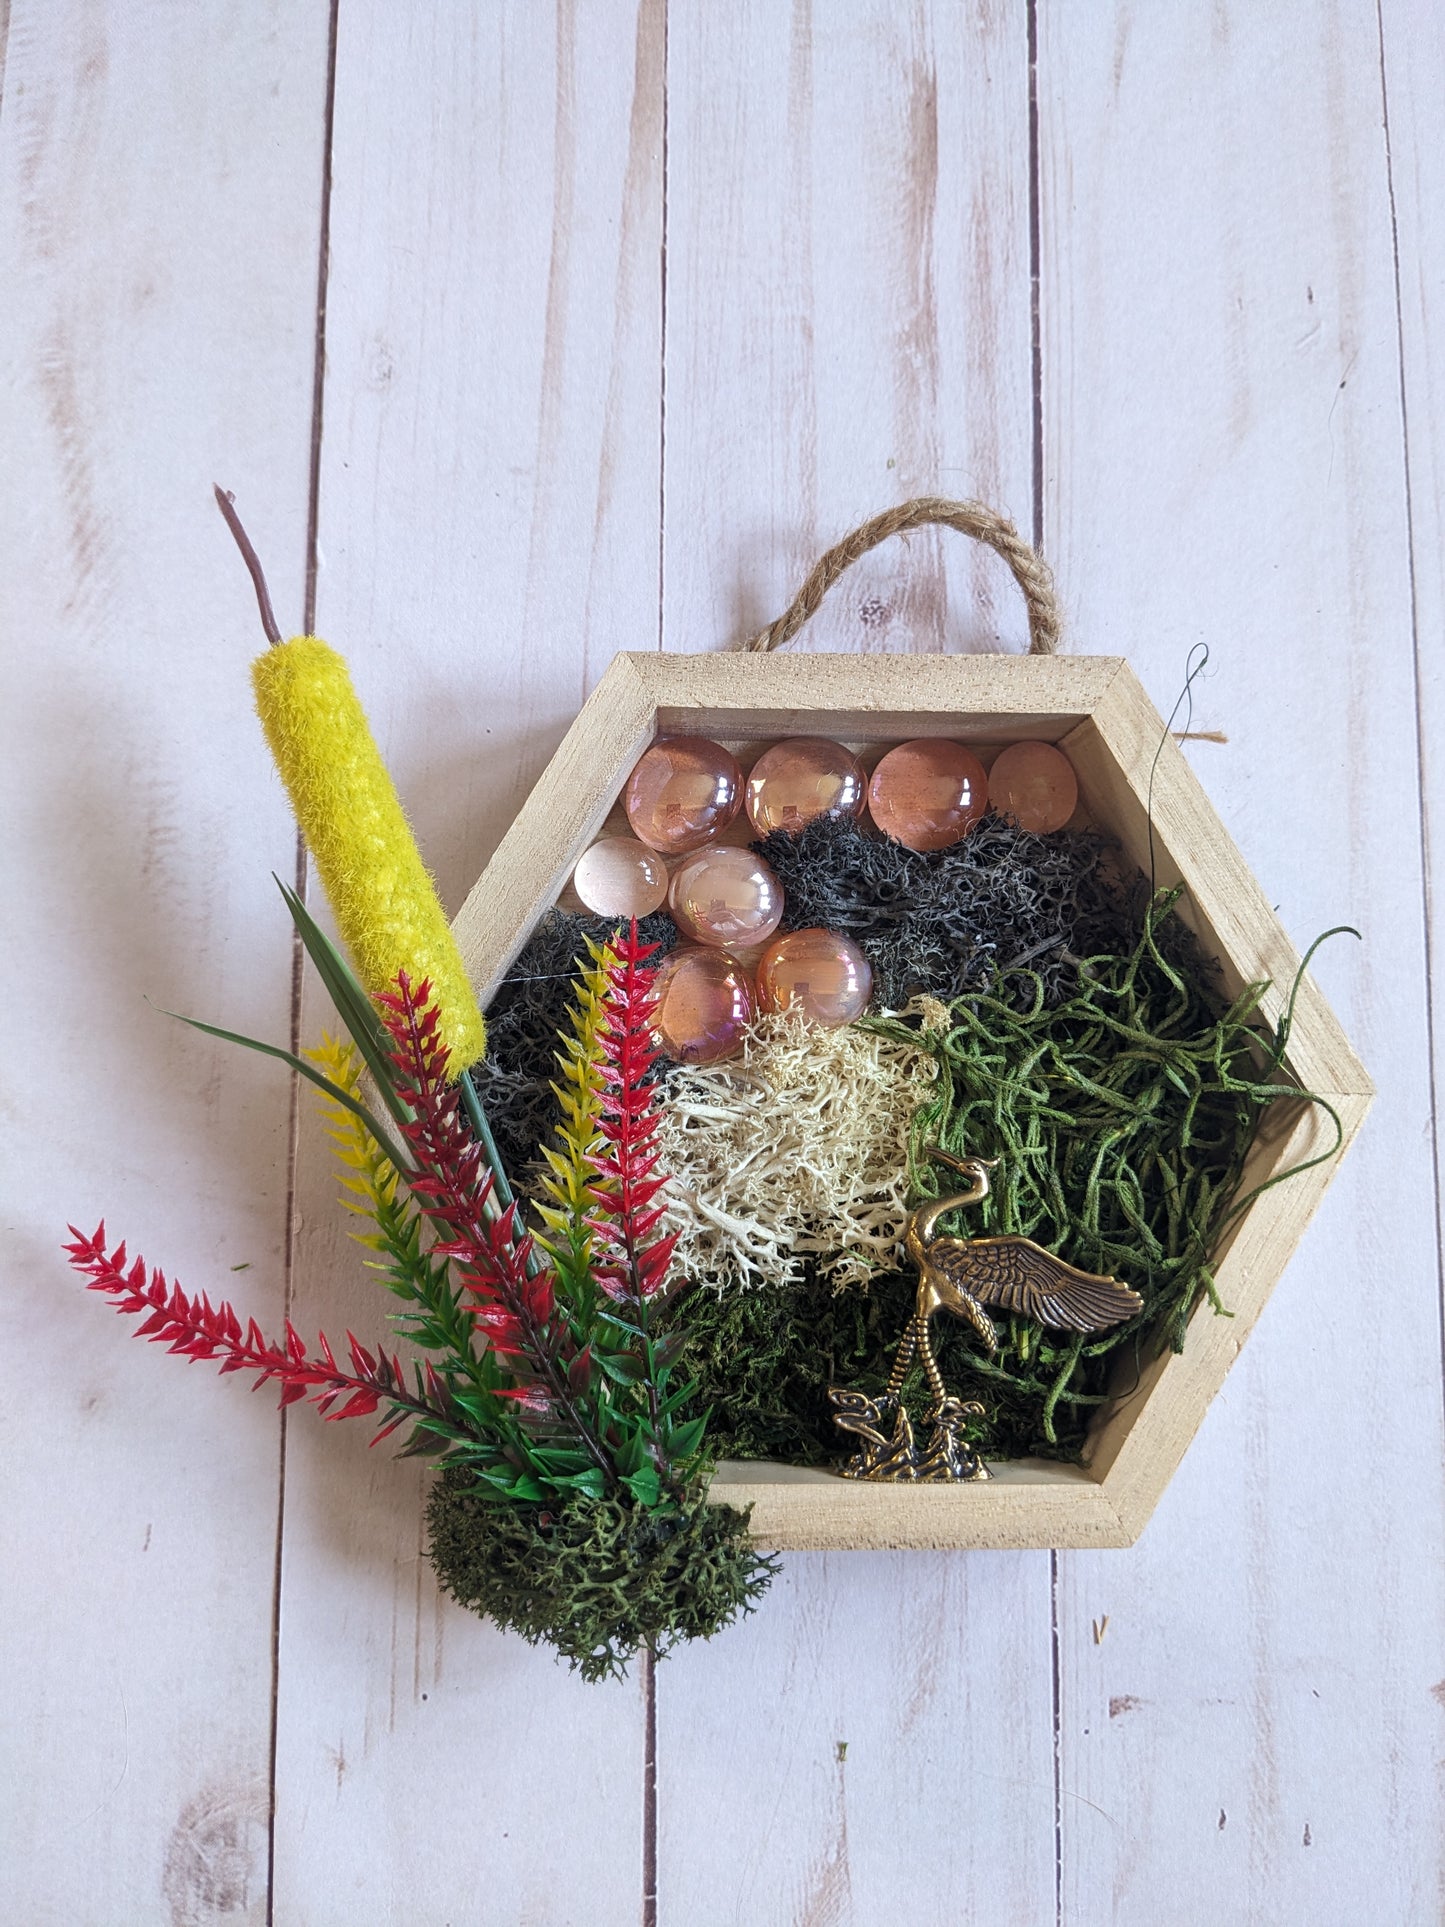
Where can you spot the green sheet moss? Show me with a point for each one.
(1122, 1115)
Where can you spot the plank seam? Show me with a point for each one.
(662, 363)
(649, 1664)
(1036, 338)
(1056, 1692)
(1036, 451)
(293, 1132)
(4, 48)
(1432, 1051)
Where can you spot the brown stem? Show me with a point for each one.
(226, 502)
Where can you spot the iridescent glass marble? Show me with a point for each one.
(725, 896)
(704, 1004)
(682, 792)
(620, 877)
(1034, 783)
(804, 777)
(817, 973)
(928, 794)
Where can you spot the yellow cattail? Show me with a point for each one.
(383, 897)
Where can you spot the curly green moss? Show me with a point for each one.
(1122, 1117)
(597, 1580)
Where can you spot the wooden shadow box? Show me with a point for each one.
(1095, 709)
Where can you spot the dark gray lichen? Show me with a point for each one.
(944, 922)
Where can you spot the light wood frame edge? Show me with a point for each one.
(1109, 1505)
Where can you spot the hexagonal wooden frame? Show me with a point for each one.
(1096, 710)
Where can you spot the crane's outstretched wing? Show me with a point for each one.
(1021, 1277)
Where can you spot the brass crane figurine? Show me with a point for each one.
(962, 1275)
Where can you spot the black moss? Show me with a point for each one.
(598, 1580)
(946, 921)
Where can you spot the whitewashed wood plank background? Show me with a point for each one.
(628, 309)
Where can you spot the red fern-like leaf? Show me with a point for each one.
(630, 1263)
(516, 1310)
(194, 1328)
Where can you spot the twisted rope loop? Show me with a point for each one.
(985, 525)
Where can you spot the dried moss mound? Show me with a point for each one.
(765, 1360)
(599, 1581)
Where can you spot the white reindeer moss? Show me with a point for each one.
(797, 1148)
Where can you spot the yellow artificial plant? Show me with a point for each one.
(385, 902)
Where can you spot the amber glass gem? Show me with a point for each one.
(804, 777)
(683, 791)
(725, 896)
(818, 973)
(928, 794)
(704, 1004)
(620, 877)
(1035, 784)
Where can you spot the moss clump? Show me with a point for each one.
(943, 922)
(597, 1580)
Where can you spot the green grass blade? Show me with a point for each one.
(353, 1006)
(373, 1124)
(477, 1118)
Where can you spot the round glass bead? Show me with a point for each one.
(928, 794)
(620, 877)
(806, 776)
(725, 896)
(682, 792)
(821, 975)
(1035, 784)
(704, 1004)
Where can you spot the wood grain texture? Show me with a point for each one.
(1134, 778)
(489, 499)
(631, 310)
(1221, 374)
(875, 1740)
(847, 325)
(847, 314)
(145, 355)
(1413, 73)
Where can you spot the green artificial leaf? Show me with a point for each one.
(353, 1006)
(611, 1318)
(644, 1485)
(589, 1483)
(680, 1397)
(477, 1118)
(524, 1486)
(621, 1367)
(368, 1117)
(424, 1443)
(683, 1440)
(667, 1350)
(559, 1461)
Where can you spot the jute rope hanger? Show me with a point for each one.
(985, 525)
